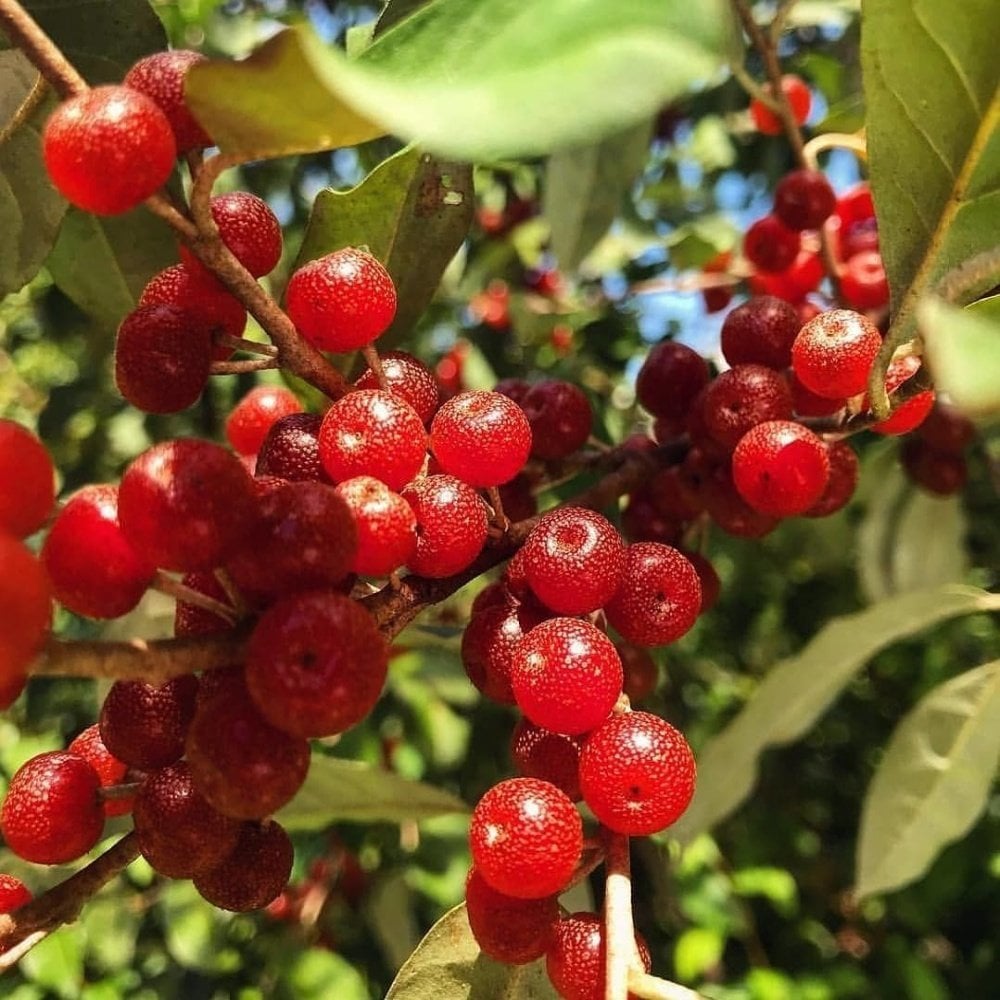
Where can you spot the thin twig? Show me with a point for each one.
(249, 346)
(854, 141)
(166, 584)
(374, 362)
(25, 109)
(781, 16)
(244, 366)
(619, 931)
(24, 33)
(641, 984)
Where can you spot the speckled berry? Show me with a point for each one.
(560, 418)
(291, 449)
(160, 77)
(489, 642)
(760, 332)
(110, 770)
(841, 483)
(254, 873)
(743, 397)
(834, 352)
(548, 756)
(409, 378)
(256, 413)
(509, 930)
(13, 893)
(249, 228)
(669, 379)
(452, 525)
(386, 526)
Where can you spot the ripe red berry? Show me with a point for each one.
(110, 770)
(372, 433)
(642, 521)
(27, 481)
(947, 429)
(160, 77)
(145, 726)
(804, 199)
(660, 596)
(25, 602)
(254, 873)
(855, 207)
(249, 228)
(760, 332)
(833, 353)
(14, 894)
(342, 301)
(526, 838)
(566, 675)
(548, 756)
(575, 962)
(386, 526)
(489, 642)
(254, 415)
(641, 672)
(669, 380)
(637, 774)
(452, 525)
(940, 472)
(908, 415)
(108, 149)
(52, 813)
(729, 510)
(710, 583)
(244, 766)
(513, 388)
(802, 276)
(186, 504)
(179, 833)
(841, 483)
(796, 92)
(573, 560)
(192, 619)
(509, 930)
(770, 245)
(481, 437)
(864, 284)
(316, 664)
(806, 403)
(743, 397)
(560, 418)
(291, 449)
(409, 378)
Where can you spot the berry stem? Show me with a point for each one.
(621, 953)
(500, 519)
(32, 99)
(166, 584)
(374, 362)
(641, 984)
(123, 791)
(62, 903)
(228, 585)
(246, 365)
(854, 141)
(249, 346)
(23, 32)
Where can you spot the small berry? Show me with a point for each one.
(794, 283)
(255, 872)
(513, 388)
(52, 812)
(730, 511)
(637, 774)
(833, 353)
(160, 77)
(14, 894)
(509, 930)
(566, 675)
(660, 597)
(110, 770)
(806, 403)
(342, 301)
(642, 520)
(760, 332)
(641, 672)
(795, 92)
(743, 397)
(291, 449)
(526, 837)
(108, 149)
(856, 207)
(770, 245)
(781, 468)
(488, 645)
(710, 583)
(548, 756)
(864, 284)
(25, 601)
(947, 429)
(669, 380)
(27, 481)
(842, 482)
(249, 229)
(409, 378)
(452, 525)
(192, 619)
(518, 499)
(256, 413)
(940, 472)
(560, 418)
(804, 199)
(386, 526)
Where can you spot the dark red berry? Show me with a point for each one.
(743, 397)
(637, 774)
(669, 380)
(513, 388)
(526, 837)
(641, 672)
(27, 481)
(730, 511)
(770, 245)
(947, 429)
(342, 301)
(710, 583)
(804, 199)
(291, 449)
(192, 619)
(110, 770)
(940, 472)
(795, 92)
(14, 893)
(760, 332)
(553, 757)
(108, 149)
(863, 283)
(518, 499)
(160, 77)
(256, 413)
(642, 521)
(488, 645)
(452, 525)
(833, 353)
(560, 418)
(409, 378)
(509, 930)
(255, 872)
(249, 228)
(386, 526)
(841, 483)
(805, 402)
(670, 497)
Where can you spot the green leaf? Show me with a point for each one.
(56, 962)
(447, 965)
(799, 689)
(933, 107)
(695, 243)
(30, 208)
(338, 790)
(933, 782)
(413, 212)
(193, 929)
(963, 349)
(103, 262)
(316, 974)
(467, 79)
(584, 188)
(696, 952)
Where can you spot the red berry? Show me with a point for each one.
(110, 770)
(108, 149)
(291, 449)
(842, 482)
(526, 838)
(481, 437)
(14, 894)
(488, 645)
(760, 332)
(641, 672)
(409, 378)
(452, 525)
(856, 207)
(642, 520)
(743, 397)
(548, 756)
(801, 277)
(25, 602)
(660, 597)
(27, 481)
(575, 962)
(386, 526)
(518, 499)
(669, 380)
(940, 472)
(781, 468)
(185, 504)
(179, 833)
(509, 930)
(372, 433)
(770, 245)
(145, 726)
(566, 675)
(52, 813)
(670, 497)
(908, 415)
(160, 77)
(863, 283)
(560, 418)
(254, 874)
(833, 353)
(249, 228)
(805, 402)
(316, 664)
(795, 92)
(804, 199)
(573, 560)
(637, 774)
(342, 301)
(254, 415)
(191, 619)
(730, 511)
(947, 429)
(710, 583)
(513, 388)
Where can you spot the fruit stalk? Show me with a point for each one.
(23, 32)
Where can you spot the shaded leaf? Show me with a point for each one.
(933, 106)
(458, 75)
(413, 212)
(584, 188)
(317, 973)
(56, 962)
(963, 348)
(799, 689)
(933, 782)
(447, 965)
(339, 790)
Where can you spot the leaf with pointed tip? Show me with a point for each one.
(799, 689)
(933, 781)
